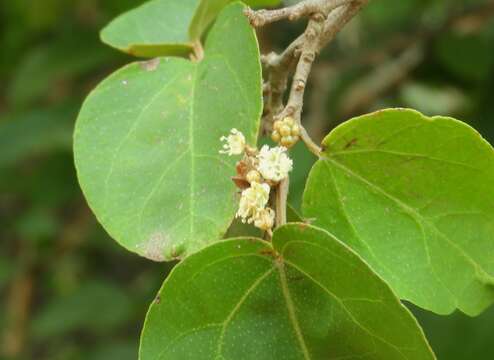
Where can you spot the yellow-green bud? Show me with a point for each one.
(277, 124)
(253, 176)
(295, 130)
(287, 141)
(275, 136)
(285, 130)
(289, 121)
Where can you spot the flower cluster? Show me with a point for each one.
(257, 172)
(286, 132)
(252, 208)
(234, 143)
(274, 163)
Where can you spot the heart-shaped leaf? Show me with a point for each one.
(413, 196)
(165, 27)
(147, 141)
(306, 296)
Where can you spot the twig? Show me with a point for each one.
(281, 201)
(295, 12)
(326, 19)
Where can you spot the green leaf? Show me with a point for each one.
(413, 196)
(147, 142)
(165, 27)
(156, 28)
(306, 296)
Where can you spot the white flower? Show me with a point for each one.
(264, 219)
(234, 143)
(253, 200)
(274, 163)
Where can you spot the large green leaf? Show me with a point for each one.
(414, 196)
(165, 27)
(147, 141)
(306, 296)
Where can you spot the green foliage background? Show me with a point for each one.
(69, 292)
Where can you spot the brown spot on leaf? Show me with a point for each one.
(154, 248)
(350, 143)
(302, 225)
(269, 252)
(150, 65)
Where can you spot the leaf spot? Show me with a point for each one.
(155, 246)
(350, 143)
(150, 65)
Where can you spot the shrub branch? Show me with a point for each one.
(326, 19)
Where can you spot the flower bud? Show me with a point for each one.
(264, 219)
(287, 141)
(253, 176)
(289, 121)
(285, 130)
(275, 136)
(277, 124)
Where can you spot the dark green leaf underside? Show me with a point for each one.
(166, 27)
(413, 196)
(157, 28)
(239, 300)
(147, 141)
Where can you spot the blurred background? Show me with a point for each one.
(68, 291)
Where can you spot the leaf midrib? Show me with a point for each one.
(339, 300)
(292, 315)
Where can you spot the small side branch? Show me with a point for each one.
(295, 12)
(326, 19)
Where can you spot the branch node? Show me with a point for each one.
(318, 17)
(300, 85)
(311, 34)
(309, 57)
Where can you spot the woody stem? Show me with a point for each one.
(281, 201)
